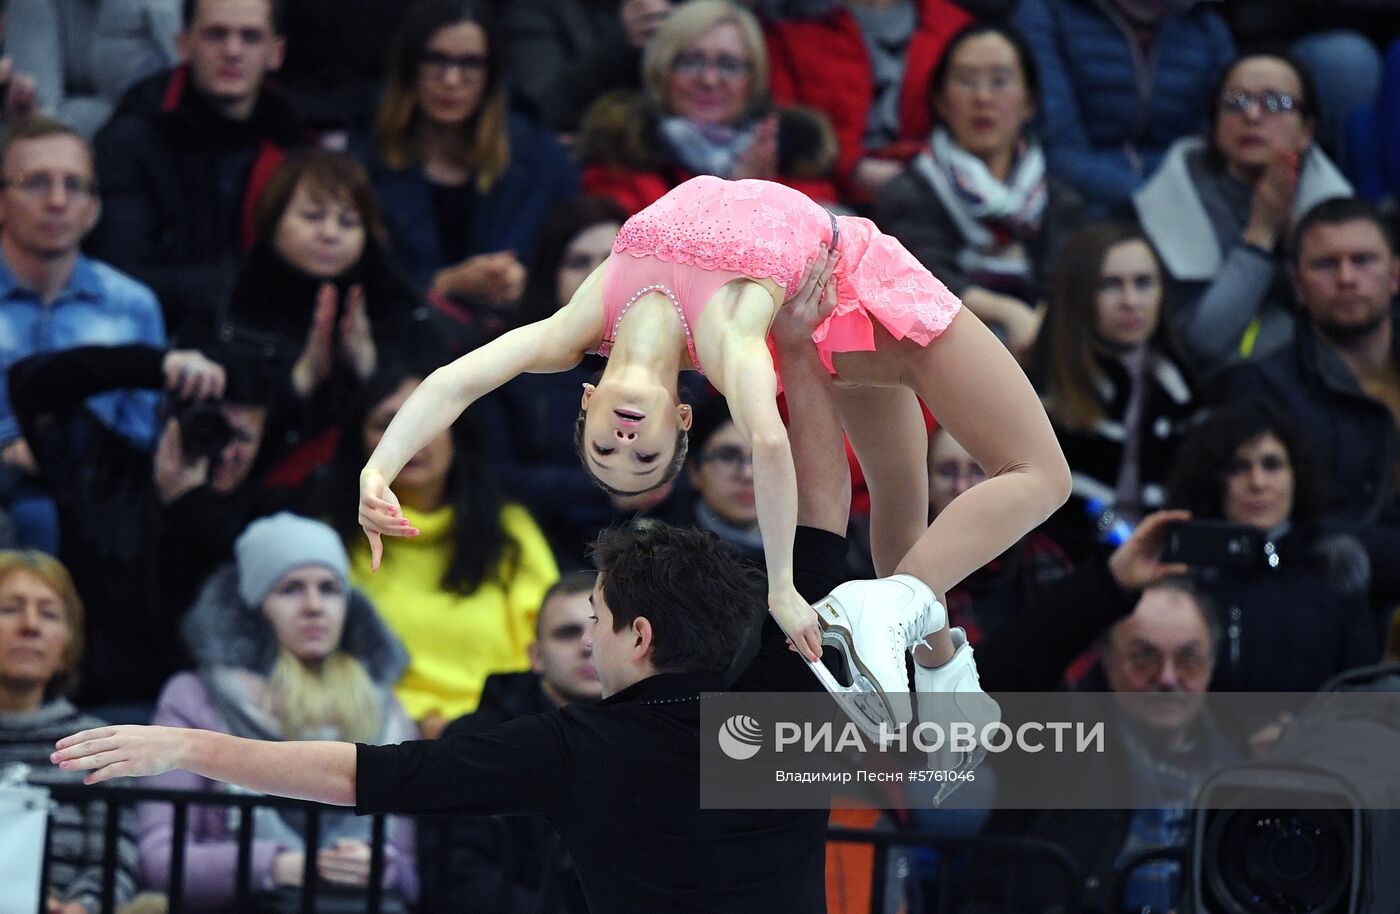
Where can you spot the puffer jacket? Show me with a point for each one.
(235, 648)
(1109, 107)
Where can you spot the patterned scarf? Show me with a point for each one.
(706, 149)
(995, 217)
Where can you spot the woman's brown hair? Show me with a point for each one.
(333, 175)
(1068, 369)
(486, 152)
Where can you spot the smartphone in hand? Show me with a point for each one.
(1217, 542)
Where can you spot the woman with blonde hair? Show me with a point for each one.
(465, 182)
(704, 110)
(285, 650)
(41, 640)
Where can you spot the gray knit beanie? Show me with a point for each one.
(273, 546)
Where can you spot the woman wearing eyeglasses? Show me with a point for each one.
(1289, 627)
(704, 110)
(720, 466)
(1220, 209)
(466, 183)
(977, 205)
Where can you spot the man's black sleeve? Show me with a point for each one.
(1030, 652)
(521, 767)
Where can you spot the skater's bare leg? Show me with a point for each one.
(981, 396)
(886, 428)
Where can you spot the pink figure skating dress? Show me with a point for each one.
(709, 231)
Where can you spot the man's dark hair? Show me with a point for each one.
(571, 584)
(1339, 211)
(1205, 605)
(672, 468)
(702, 603)
(278, 11)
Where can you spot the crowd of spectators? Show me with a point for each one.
(236, 234)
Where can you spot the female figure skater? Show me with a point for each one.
(694, 281)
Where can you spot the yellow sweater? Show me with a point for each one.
(454, 642)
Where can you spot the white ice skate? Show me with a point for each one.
(873, 624)
(950, 694)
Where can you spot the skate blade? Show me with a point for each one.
(864, 701)
(946, 789)
(860, 701)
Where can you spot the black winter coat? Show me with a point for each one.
(1095, 456)
(1355, 434)
(137, 563)
(1292, 628)
(268, 317)
(178, 184)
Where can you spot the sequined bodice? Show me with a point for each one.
(758, 228)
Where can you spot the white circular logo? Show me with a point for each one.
(740, 737)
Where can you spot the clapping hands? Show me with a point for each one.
(351, 338)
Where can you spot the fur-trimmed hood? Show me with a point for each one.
(1344, 560)
(621, 130)
(222, 630)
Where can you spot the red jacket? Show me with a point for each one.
(823, 64)
(636, 189)
(627, 161)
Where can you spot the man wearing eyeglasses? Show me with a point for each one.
(1158, 661)
(1165, 647)
(52, 298)
(186, 153)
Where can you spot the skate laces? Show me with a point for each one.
(911, 623)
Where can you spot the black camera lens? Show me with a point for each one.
(204, 431)
(1279, 861)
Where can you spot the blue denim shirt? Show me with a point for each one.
(99, 306)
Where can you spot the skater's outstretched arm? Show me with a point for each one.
(556, 343)
(321, 771)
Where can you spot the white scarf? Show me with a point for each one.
(994, 217)
(706, 149)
